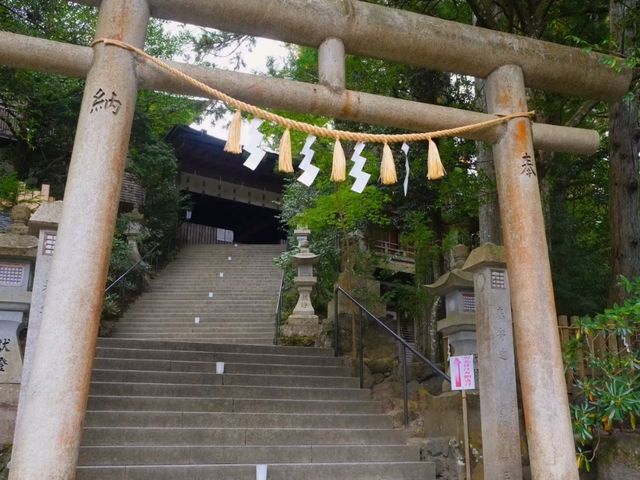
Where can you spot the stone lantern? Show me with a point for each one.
(459, 326)
(303, 321)
(133, 232)
(17, 255)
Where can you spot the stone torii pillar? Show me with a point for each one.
(51, 412)
(544, 391)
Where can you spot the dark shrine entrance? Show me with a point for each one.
(226, 194)
(249, 223)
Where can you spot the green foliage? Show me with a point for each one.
(579, 234)
(610, 397)
(155, 166)
(10, 189)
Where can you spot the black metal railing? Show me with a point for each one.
(366, 314)
(148, 263)
(276, 337)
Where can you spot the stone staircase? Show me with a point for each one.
(210, 293)
(158, 411)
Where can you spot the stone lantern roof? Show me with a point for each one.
(46, 216)
(456, 278)
(486, 255)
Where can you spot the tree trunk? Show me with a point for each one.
(624, 168)
(490, 227)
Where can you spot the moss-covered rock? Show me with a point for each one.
(619, 457)
(298, 341)
(382, 365)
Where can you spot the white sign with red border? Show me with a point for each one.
(462, 373)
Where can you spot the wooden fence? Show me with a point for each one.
(593, 346)
(194, 234)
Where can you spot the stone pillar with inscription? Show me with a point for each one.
(496, 364)
(43, 224)
(17, 254)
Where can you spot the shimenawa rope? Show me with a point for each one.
(337, 135)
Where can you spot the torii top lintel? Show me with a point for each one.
(405, 37)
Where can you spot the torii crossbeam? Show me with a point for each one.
(53, 405)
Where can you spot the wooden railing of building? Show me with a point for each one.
(195, 234)
(393, 250)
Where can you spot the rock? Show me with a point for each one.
(384, 365)
(412, 388)
(619, 457)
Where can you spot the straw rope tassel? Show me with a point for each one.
(285, 163)
(388, 167)
(233, 142)
(436, 169)
(339, 167)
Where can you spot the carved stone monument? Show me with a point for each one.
(303, 321)
(498, 399)
(17, 254)
(44, 224)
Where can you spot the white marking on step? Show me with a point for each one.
(221, 274)
(210, 294)
(197, 320)
(229, 258)
(219, 368)
(261, 472)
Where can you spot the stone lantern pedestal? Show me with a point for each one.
(303, 322)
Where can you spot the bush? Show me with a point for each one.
(609, 398)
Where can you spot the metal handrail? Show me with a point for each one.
(405, 345)
(276, 337)
(120, 280)
(130, 269)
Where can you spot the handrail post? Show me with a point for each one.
(405, 392)
(278, 314)
(121, 297)
(336, 325)
(361, 347)
(276, 336)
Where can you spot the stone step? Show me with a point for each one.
(246, 276)
(239, 317)
(276, 351)
(203, 303)
(201, 297)
(230, 341)
(198, 455)
(226, 391)
(210, 367)
(207, 311)
(300, 471)
(211, 356)
(141, 376)
(118, 418)
(149, 436)
(212, 327)
(206, 328)
(233, 337)
(237, 405)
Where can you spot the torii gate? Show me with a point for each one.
(52, 410)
